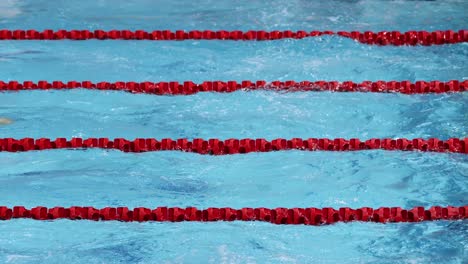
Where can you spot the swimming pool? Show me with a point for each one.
(101, 178)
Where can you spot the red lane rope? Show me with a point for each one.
(235, 146)
(373, 38)
(291, 216)
(189, 87)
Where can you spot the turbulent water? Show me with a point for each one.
(283, 179)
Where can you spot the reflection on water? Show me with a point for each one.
(9, 8)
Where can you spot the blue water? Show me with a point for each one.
(237, 14)
(282, 179)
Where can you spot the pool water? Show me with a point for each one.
(102, 178)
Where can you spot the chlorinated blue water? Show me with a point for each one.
(238, 14)
(283, 179)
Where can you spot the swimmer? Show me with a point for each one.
(5, 121)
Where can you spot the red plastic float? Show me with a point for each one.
(287, 216)
(237, 146)
(372, 38)
(189, 87)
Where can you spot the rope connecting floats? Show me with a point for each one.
(368, 37)
(235, 146)
(189, 87)
(290, 216)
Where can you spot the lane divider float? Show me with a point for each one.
(189, 87)
(236, 146)
(287, 216)
(368, 37)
